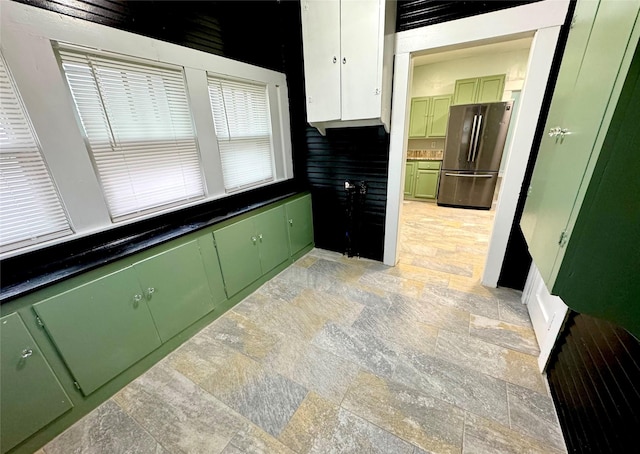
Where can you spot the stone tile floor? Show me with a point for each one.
(339, 355)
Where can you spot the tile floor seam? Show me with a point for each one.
(142, 426)
(508, 406)
(464, 432)
(289, 421)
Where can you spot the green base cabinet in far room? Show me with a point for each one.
(100, 328)
(479, 89)
(176, 288)
(300, 223)
(424, 180)
(250, 248)
(409, 178)
(426, 184)
(31, 395)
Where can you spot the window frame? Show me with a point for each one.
(28, 37)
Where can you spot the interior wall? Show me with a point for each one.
(439, 78)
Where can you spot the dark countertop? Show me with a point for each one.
(35, 270)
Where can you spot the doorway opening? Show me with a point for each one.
(451, 243)
(542, 20)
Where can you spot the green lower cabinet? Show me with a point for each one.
(237, 247)
(426, 184)
(31, 395)
(176, 288)
(409, 178)
(300, 223)
(100, 328)
(273, 241)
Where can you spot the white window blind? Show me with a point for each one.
(138, 125)
(243, 127)
(30, 207)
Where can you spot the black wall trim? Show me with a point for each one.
(595, 383)
(420, 13)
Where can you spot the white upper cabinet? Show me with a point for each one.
(348, 60)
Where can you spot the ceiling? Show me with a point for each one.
(475, 51)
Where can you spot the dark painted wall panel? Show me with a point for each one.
(594, 378)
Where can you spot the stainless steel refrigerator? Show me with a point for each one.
(473, 148)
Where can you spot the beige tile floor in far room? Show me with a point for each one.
(339, 355)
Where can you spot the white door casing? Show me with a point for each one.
(543, 19)
(548, 314)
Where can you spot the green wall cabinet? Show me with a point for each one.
(479, 89)
(409, 177)
(250, 248)
(100, 328)
(31, 395)
(300, 223)
(422, 182)
(429, 117)
(175, 286)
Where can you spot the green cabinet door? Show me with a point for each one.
(466, 91)
(490, 88)
(409, 178)
(439, 116)
(426, 184)
(176, 288)
(212, 268)
(595, 51)
(237, 246)
(100, 328)
(31, 395)
(273, 242)
(300, 223)
(418, 117)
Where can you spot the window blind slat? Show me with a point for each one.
(138, 125)
(243, 128)
(30, 207)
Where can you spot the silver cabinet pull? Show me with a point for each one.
(137, 298)
(26, 353)
(554, 131)
(260, 237)
(335, 59)
(150, 292)
(466, 175)
(290, 221)
(344, 60)
(254, 239)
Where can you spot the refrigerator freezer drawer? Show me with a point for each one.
(467, 189)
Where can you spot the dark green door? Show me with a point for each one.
(100, 328)
(237, 246)
(176, 288)
(300, 222)
(427, 184)
(31, 395)
(272, 237)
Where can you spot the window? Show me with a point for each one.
(30, 208)
(243, 127)
(139, 130)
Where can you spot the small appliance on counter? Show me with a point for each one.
(475, 140)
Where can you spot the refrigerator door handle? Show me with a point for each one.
(475, 143)
(466, 175)
(473, 132)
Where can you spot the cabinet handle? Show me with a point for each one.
(26, 353)
(254, 239)
(136, 299)
(260, 236)
(344, 60)
(290, 221)
(150, 292)
(335, 59)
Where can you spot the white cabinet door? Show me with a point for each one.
(362, 30)
(321, 50)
